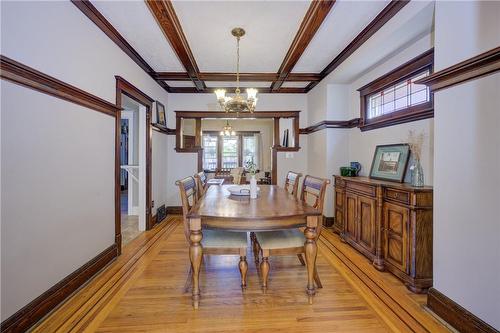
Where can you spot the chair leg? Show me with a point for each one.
(316, 278)
(264, 269)
(187, 285)
(301, 259)
(243, 271)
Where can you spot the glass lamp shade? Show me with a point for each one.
(220, 93)
(252, 93)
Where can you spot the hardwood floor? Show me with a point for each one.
(143, 291)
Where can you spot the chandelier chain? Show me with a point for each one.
(237, 64)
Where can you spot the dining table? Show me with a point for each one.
(273, 209)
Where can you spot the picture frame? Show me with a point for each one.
(390, 162)
(161, 117)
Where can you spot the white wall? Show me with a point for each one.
(57, 191)
(185, 164)
(57, 39)
(467, 160)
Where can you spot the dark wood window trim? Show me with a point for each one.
(401, 73)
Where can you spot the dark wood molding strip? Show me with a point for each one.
(26, 76)
(315, 15)
(256, 114)
(43, 304)
(216, 76)
(330, 124)
(383, 17)
(102, 23)
(132, 91)
(457, 316)
(164, 14)
(164, 130)
(174, 210)
(483, 64)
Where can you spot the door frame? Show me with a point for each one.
(126, 88)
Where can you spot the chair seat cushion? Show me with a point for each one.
(223, 239)
(280, 239)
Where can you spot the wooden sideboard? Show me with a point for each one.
(390, 223)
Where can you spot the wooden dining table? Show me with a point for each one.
(273, 209)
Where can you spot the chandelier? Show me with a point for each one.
(228, 130)
(237, 103)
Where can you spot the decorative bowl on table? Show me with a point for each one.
(241, 190)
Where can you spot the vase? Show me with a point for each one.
(253, 187)
(417, 174)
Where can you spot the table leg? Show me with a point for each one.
(311, 251)
(195, 255)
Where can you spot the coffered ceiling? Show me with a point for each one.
(289, 46)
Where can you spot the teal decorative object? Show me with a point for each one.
(348, 172)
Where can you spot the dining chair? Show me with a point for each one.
(201, 183)
(237, 174)
(290, 242)
(214, 242)
(292, 182)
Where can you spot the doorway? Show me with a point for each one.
(132, 163)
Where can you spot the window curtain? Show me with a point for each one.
(259, 160)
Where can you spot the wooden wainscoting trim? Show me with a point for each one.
(330, 124)
(43, 304)
(483, 64)
(453, 313)
(174, 210)
(164, 130)
(21, 74)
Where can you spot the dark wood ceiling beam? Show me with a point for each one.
(191, 90)
(98, 19)
(164, 13)
(257, 77)
(382, 18)
(317, 12)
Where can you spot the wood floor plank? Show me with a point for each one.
(144, 292)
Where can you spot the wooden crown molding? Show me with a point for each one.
(164, 13)
(214, 76)
(457, 316)
(330, 124)
(483, 64)
(382, 18)
(191, 90)
(26, 76)
(245, 115)
(315, 15)
(23, 319)
(98, 19)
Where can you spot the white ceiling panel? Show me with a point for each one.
(344, 22)
(134, 22)
(223, 84)
(179, 84)
(295, 84)
(270, 28)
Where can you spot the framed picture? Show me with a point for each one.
(390, 161)
(161, 118)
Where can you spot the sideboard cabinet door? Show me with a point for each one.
(396, 236)
(350, 215)
(366, 219)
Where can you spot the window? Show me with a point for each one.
(210, 152)
(395, 98)
(230, 156)
(228, 151)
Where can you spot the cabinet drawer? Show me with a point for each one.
(363, 188)
(403, 197)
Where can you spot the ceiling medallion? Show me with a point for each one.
(227, 130)
(238, 103)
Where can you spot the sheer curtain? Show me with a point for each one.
(259, 160)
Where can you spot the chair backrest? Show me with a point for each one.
(201, 183)
(188, 192)
(237, 173)
(314, 188)
(292, 182)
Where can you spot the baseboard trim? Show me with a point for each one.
(174, 210)
(43, 304)
(455, 315)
